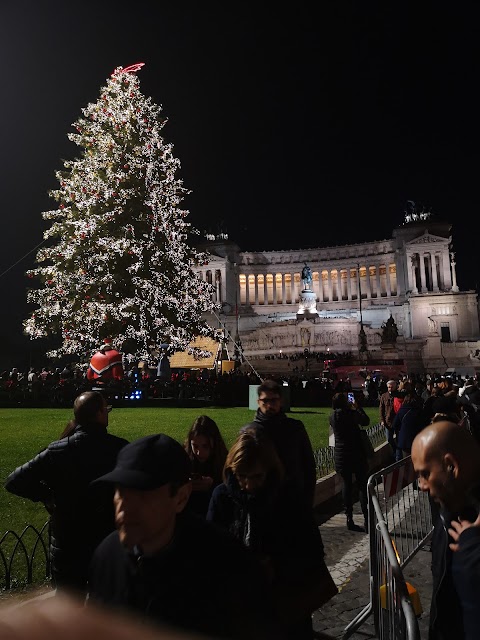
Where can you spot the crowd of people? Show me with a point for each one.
(177, 534)
(438, 425)
(192, 536)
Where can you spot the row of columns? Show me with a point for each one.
(250, 292)
(431, 271)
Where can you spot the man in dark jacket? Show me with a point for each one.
(290, 439)
(447, 459)
(168, 566)
(60, 476)
(387, 413)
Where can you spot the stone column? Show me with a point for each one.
(447, 277)
(349, 284)
(330, 285)
(265, 289)
(388, 284)
(284, 292)
(368, 285)
(377, 278)
(247, 289)
(423, 279)
(454, 273)
(256, 288)
(293, 292)
(433, 264)
(274, 288)
(412, 278)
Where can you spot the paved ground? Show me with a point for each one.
(347, 557)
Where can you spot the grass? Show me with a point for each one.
(24, 432)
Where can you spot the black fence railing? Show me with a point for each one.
(25, 558)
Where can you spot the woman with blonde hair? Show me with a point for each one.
(258, 508)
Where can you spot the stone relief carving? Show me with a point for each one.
(432, 326)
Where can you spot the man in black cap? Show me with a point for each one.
(168, 566)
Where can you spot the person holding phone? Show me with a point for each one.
(345, 420)
(207, 451)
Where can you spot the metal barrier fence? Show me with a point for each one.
(19, 555)
(324, 459)
(400, 523)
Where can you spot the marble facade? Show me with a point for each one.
(411, 276)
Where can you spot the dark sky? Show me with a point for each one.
(294, 129)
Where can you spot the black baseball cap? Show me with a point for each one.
(149, 463)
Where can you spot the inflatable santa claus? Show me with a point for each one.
(106, 364)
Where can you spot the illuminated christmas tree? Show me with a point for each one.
(118, 260)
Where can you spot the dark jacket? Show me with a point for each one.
(271, 522)
(282, 532)
(294, 449)
(199, 500)
(446, 619)
(204, 582)
(466, 579)
(386, 410)
(82, 515)
(348, 452)
(409, 421)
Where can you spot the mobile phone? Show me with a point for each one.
(350, 396)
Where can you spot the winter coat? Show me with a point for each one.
(204, 582)
(386, 410)
(81, 515)
(466, 578)
(283, 533)
(199, 500)
(409, 421)
(348, 452)
(456, 576)
(294, 449)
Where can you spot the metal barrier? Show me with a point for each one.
(400, 523)
(19, 555)
(324, 457)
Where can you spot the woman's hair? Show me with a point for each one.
(69, 428)
(205, 426)
(250, 449)
(340, 401)
(412, 398)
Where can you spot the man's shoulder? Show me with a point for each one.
(110, 545)
(117, 440)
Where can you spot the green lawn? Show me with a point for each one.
(24, 432)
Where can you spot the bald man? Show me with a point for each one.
(447, 459)
(60, 476)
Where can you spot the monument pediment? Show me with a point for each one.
(427, 238)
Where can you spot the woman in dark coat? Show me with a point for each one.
(346, 420)
(257, 507)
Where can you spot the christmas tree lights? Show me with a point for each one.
(117, 260)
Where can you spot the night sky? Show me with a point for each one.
(294, 129)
